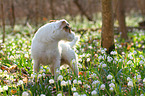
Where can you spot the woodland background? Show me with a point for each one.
(38, 11)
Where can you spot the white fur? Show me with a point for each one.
(48, 49)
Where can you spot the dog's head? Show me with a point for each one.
(62, 30)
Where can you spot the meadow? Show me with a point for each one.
(119, 74)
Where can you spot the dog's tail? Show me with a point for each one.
(74, 41)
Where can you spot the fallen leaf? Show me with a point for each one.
(128, 47)
(14, 91)
(4, 67)
(25, 80)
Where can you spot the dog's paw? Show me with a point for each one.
(77, 38)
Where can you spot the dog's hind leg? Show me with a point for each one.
(36, 66)
(69, 58)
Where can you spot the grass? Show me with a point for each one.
(121, 73)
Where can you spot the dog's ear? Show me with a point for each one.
(63, 23)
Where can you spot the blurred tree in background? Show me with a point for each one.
(107, 35)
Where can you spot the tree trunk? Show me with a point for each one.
(121, 19)
(142, 8)
(13, 15)
(37, 13)
(52, 9)
(3, 20)
(107, 35)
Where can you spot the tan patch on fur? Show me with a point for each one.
(52, 21)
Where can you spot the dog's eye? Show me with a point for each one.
(66, 27)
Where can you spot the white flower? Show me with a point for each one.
(68, 82)
(5, 87)
(48, 68)
(33, 75)
(141, 62)
(130, 84)
(103, 51)
(75, 81)
(128, 79)
(80, 65)
(44, 75)
(1, 89)
(25, 93)
(141, 94)
(83, 95)
(5, 72)
(1, 71)
(102, 86)
(94, 83)
(20, 82)
(141, 56)
(93, 75)
(51, 81)
(94, 92)
(109, 59)
(104, 65)
(73, 89)
(86, 86)
(112, 80)
(131, 57)
(11, 77)
(75, 94)
(112, 85)
(88, 59)
(100, 57)
(73, 61)
(60, 77)
(60, 94)
(111, 89)
(123, 53)
(39, 75)
(63, 83)
(57, 70)
(138, 76)
(113, 52)
(144, 80)
(129, 62)
(134, 52)
(42, 95)
(109, 77)
(79, 82)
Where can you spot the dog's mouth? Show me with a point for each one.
(67, 28)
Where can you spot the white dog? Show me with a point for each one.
(48, 49)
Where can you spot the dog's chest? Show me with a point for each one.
(49, 56)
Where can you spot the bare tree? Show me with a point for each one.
(3, 20)
(83, 12)
(107, 35)
(121, 18)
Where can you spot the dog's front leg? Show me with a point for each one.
(55, 68)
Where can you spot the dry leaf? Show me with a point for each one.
(128, 47)
(14, 91)
(25, 80)
(4, 67)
